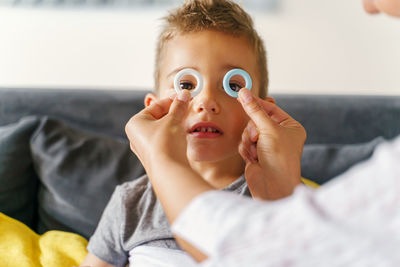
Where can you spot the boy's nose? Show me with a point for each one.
(205, 102)
(208, 107)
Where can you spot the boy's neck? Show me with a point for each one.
(222, 173)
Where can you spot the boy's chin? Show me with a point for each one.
(203, 156)
(207, 154)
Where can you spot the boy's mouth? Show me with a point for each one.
(205, 130)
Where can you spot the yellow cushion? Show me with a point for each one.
(20, 246)
(310, 183)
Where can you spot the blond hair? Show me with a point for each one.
(221, 15)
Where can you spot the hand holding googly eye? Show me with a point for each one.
(192, 80)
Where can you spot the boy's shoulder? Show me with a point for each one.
(130, 216)
(137, 184)
(139, 209)
(132, 192)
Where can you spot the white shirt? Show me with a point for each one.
(354, 220)
(145, 256)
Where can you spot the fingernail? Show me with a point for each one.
(172, 95)
(253, 133)
(253, 151)
(184, 95)
(245, 96)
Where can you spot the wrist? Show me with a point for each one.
(162, 164)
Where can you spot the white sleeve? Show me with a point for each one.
(353, 220)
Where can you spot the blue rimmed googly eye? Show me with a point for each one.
(236, 79)
(189, 79)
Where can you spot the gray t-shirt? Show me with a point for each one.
(134, 217)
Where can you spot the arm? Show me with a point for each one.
(173, 180)
(353, 219)
(93, 261)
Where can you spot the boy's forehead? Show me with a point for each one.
(208, 49)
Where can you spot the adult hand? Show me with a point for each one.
(272, 144)
(158, 139)
(157, 131)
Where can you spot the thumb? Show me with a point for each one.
(179, 106)
(253, 109)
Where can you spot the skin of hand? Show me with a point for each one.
(158, 139)
(155, 132)
(272, 145)
(390, 7)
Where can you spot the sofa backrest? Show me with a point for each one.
(328, 119)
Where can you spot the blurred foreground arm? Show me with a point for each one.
(354, 220)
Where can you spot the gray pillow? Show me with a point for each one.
(78, 171)
(18, 181)
(322, 162)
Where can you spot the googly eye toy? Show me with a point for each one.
(241, 74)
(185, 77)
(192, 80)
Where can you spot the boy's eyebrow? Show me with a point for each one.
(179, 69)
(224, 68)
(229, 67)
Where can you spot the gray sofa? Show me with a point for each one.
(62, 152)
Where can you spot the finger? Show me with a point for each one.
(246, 142)
(253, 152)
(248, 147)
(274, 111)
(172, 95)
(254, 110)
(249, 140)
(129, 130)
(270, 99)
(159, 108)
(252, 130)
(179, 106)
(244, 153)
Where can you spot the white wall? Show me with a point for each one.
(314, 46)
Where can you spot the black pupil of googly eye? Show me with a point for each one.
(187, 82)
(236, 83)
(187, 85)
(235, 87)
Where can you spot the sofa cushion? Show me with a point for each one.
(78, 171)
(21, 247)
(322, 162)
(18, 182)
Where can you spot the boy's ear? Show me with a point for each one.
(149, 98)
(270, 99)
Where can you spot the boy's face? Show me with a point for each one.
(212, 54)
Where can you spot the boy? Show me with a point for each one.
(211, 37)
